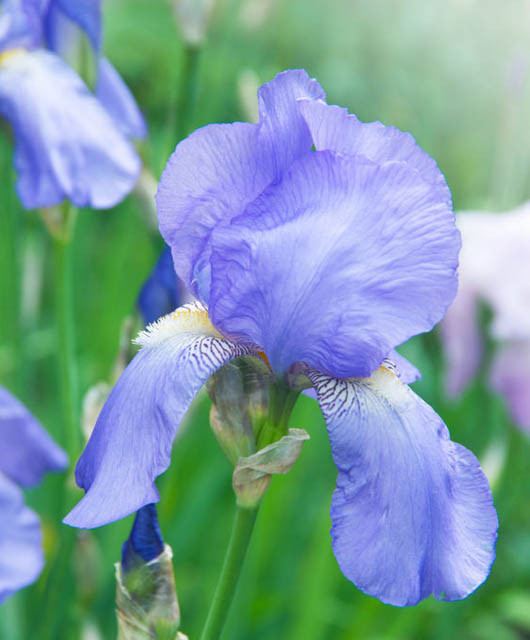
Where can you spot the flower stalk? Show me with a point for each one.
(13, 237)
(230, 573)
(60, 222)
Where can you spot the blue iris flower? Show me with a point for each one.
(323, 243)
(69, 142)
(162, 291)
(26, 453)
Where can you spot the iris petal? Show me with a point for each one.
(66, 145)
(408, 373)
(162, 291)
(412, 512)
(118, 100)
(282, 130)
(86, 13)
(20, 24)
(336, 264)
(26, 451)
(215, 172)
(132, 440)
(21, 557)
(334, 129)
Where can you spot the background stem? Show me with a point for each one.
(60, 592)
(67, 367)
(233, 563)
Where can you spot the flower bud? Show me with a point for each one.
(240, 397)
(146, 598)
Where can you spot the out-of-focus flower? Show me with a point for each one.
(247, 85)
(193, 17)
(163, 290)
(26, 453)
(254, 13)
(146, 598)
(65, 22)
(494, 267)
(68, 144)
(318, 263)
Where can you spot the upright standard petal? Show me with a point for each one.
(412, 512)
(26, 451)
(118, 100)
(336, 264)
(85, 13)
(334, 129)
(132, 440)
(282, 129)
(215, 172)
(66, 145)
(21, 557)
(20, 24)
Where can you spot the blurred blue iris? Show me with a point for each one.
(162, 291)
(69, 142)
(26, 453)
(321, 243)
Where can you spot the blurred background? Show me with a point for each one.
(455, 73)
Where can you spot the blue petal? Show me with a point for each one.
(118, 100)
(20, 24)
(26, 451)
(161, 292)
(132, 439)
(21, 557)
(334, 129)
(145, 540)
(215, 172)
(336, 264)
(408, 373)
(85, 13)
(62, 35)
(282, 129)
(412, 513)
(66, 145)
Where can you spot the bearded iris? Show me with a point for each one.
(318, 244)
(26, 454)
(69, 142)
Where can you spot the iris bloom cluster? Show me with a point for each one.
(315, 243)
(70, 142)
(494, 267)
(26, 453)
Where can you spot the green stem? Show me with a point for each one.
(233, 563)
(13, 266)
(184, 104)
(62, 249)
(58, 595)
(187, 98)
